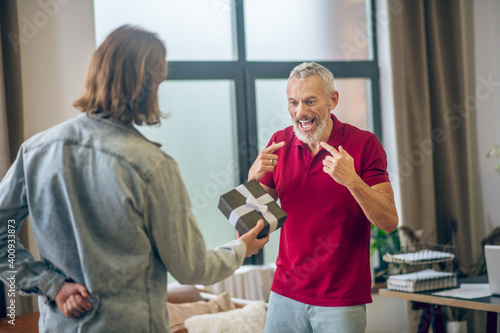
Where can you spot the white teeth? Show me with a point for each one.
(305, 123)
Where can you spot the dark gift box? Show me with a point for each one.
(248, 203)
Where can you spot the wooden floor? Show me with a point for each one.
(24, 324)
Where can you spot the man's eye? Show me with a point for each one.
(311, 102)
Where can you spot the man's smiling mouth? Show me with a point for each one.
(306, 124)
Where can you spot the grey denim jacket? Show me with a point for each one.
(108, 210)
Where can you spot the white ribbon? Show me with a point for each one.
(259, 204)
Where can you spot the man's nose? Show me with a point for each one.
(301, 110)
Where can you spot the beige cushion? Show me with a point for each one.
(178, 313)
(250, 319)
(178, 293)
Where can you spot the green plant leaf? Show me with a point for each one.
(494, 151)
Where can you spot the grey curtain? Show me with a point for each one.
(4, 154)
(432, 60)
(11, 110)
(434, 96)
(4, 132)
(11, 116)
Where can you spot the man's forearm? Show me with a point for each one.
(377, 202)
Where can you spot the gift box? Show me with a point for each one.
(248, 203)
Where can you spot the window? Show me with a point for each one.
(202, 141)
(229, 61)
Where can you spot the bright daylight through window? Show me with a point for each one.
(225, 93)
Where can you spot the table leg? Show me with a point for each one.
(430, 314)
(491, 322)
(425, 317)
(437, 319)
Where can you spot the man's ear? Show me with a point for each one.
(334, 100)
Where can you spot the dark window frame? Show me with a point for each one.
(244, 74)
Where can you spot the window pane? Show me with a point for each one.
(201, 136)
(193, 30)
(272, 110)
(296, 30)
(354, 102)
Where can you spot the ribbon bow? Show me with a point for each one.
(252, 203)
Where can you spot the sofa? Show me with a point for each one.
(209, 313)
(188, 307)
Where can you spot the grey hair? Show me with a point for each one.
(307, 69)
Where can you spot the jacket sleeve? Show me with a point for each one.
(18, 269)
(176, 236)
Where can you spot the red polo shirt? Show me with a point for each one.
(324, 244)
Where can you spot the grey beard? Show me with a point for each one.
(313, 137)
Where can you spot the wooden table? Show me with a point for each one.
(432, 314)
(24, 324)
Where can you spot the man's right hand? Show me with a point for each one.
(250, 239)
(265, 162)
(73, 300)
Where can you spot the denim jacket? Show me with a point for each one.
(108, 210)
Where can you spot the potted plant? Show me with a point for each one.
(381, 243)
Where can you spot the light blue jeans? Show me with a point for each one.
(284, 315)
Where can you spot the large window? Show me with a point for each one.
(229, 61)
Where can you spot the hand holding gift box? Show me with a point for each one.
(248, 203)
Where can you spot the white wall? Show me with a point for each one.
(487, 54)
(58, 41)
(386, 315)
(386, 100)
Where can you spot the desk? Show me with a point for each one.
(431, 304)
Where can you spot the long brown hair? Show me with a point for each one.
(123, 77)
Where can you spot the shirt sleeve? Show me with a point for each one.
(18, 269)
(375, 165)
(176, 236)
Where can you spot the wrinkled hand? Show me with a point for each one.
(250, 239)
(263, 161)
(73, 300)
(339, 165)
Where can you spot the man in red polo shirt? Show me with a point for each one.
(331, 180)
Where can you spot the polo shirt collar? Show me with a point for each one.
(335, 137)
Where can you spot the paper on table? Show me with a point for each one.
(467, 291)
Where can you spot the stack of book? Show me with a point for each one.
(424, 280)
(425, 256)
